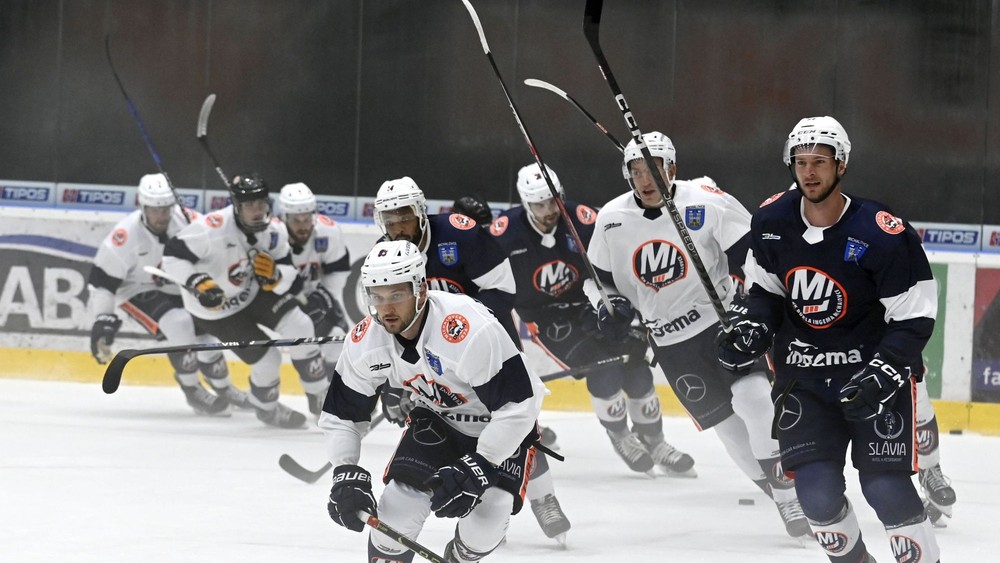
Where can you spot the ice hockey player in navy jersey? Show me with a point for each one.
(550, 271)
(467, 449)
(841, 292)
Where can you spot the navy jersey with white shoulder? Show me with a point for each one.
(463, 365)
(545, 275)
(838, 295)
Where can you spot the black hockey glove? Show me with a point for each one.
(351, 492)
(872, 391)
(616, 326)
(325, 311)
(740, 348)
(209, 294)
(102, 336)
(266, 270)
(396, 405)
(458, 488)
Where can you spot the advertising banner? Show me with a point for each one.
(986, 337)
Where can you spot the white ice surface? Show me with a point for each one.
(136, 477)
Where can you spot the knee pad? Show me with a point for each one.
(645, 413)
(892, 495)
(312, 371)
(215, 370)
(637, 380)
(183, 362)
(821, 486)
(405, 508)
(176, 326)
(611, 411)
(604, 382)
(266, 371)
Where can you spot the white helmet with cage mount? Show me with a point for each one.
(390, 263)
(533, 188)
(659, 145)
(155, 191)
(296, 198)
(823, 130)
(397, 194)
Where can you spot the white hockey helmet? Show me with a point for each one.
(823, 130)
(154, 191)
(296, 198)
(659, 145)
(399, 193)
(533, 188)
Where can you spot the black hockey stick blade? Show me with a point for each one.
(580, 371)
(401, 539)
(296, 470)
(113, 373)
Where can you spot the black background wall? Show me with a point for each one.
(344, 94)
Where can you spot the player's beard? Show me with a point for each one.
(821, 196)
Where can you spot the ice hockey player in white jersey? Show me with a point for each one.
(841, 292)
(320, 254)
(468, 446)
(238, 273)
(119, 280)
(645, 268)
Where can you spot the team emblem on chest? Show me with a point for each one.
(694, 217)
(555, 278)
(817, 298)
(658, 263)
(448, 253)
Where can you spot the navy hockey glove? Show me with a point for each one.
(351, 492)
(396, 405)
(325, 312)
(266, 270)
(209, 294)
(102, 336)
(458, 488)
(740, 348)
(872, 391)
(616, 326)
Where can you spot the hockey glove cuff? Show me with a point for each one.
(209, 294)
(872, 391)
(458, 488)
(615, 323)
(351, 492)
(102, 336)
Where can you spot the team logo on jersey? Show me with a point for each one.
(854, 250)
(927, 441)
(831, 542)
(463, 222)
(586, 215)
(694, 216)
(433, 361)
(905, 549)
(214, 220)
(889, 223)
(889, 426)
(435, 392)
(804, 355)
(658, 263)
(448, 253)
(789, 412)
(237, 274)
(321, 244)
(499, 226)
(274, 241)
(119, 237)
(711, 189)
(691, 387)
(555, 278)
(818, 299)
(445, 284)
(359, 330)
(772, 199)
(325, 220)
(455, 328)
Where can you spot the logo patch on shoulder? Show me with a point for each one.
(455, 328)
(463, 222)
(325, 220)
(499, 226)
(772, 199)
(712, 189)
(889, 223)
(119, 237)
(586, 215)
(214, 220)
(694, 216)
(359, 330)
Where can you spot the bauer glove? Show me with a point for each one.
(458, 488)
(351, 492)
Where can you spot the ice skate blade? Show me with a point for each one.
(689, 474)
(224, 413)
(561, 540)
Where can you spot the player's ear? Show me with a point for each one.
(671, 171)
(423, 294)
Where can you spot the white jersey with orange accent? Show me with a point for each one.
(215, 245)
(464, 367)
(649, 262)
(118, 273)
(323, 259)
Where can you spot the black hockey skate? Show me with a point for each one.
(795, 520)
(939, 493)
(671, 460)
(282, 417)
(628, 446)
(551, 518)
(238, 399)
(203, 402)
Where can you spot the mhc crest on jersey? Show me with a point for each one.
(555, 278)
(659, 263)
(818, 299)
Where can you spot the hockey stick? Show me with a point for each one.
(154, 271)
(202, 132)
(579, 371)
(295, 469)
(142, 128)
(592, 30)
(113, 373)
(538, 158)
(562, 94)
(399, 538)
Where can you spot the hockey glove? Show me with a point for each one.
(740, 348)
(351, 492)
(872, 391)
(396, 405)
(325, 312)
(266, 270)
(102, 336)
(209, 294)
(458, 488)
(615, 324)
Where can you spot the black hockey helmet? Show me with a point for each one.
(245, 189)
(475, 207)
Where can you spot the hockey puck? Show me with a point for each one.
(956, 432)
(746, 502)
